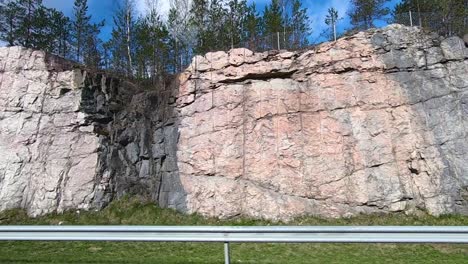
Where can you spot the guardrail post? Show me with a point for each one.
(227, 254)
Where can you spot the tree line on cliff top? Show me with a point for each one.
(150, 45)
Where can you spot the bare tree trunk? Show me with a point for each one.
(129, 54)
(334, 29)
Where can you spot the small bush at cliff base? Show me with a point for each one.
(131, 211)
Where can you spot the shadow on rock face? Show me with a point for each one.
(372, 123)
(138, 132)
(434, 89)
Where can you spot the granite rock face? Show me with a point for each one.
(373, 123)
(73, 139)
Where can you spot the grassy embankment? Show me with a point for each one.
(133, 212)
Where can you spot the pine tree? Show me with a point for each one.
(61, 27)
(299, 25)
(81, 26)
(198, 21)
(331, 20)
(365, 12)
(40, 35)
(10, 21)
(447, 17)
(215, 36)
(272, 24)
(32, 25)
(273, 18)
(29, 17)
(92, 46)
(252, 27)
(237, 15)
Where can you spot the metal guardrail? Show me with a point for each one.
(240, 234)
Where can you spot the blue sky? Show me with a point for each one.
(103, 9)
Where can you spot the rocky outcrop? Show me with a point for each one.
(375, 122)
(74, 139)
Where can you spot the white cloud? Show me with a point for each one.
(164, 6)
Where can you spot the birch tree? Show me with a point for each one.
(121, 41)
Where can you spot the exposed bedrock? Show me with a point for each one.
(74, 139)
(375, 122)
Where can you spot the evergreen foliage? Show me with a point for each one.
(448, 17)
(150, 46)
(30, 24)
(364, 13)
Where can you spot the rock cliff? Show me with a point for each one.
(76, 139)
(375, 122)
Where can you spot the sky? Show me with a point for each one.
(317, 10)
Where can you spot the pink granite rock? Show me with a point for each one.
(333, 132)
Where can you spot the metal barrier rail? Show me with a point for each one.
(240, 234)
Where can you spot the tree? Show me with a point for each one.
(331, 20)
(92, 46)
(252, 27)
(273, 18)
(32, 25)
(447, 17)
(61, 27)
(81, 26)
(198, 21)
(299, 25)
(237, 15)
(29, 16)
(10, 21)
(182, 34)
(40, 34)
(286, 9)
(85, 35)
(215, 36)
(364, 12)
(122, 38)
(129, 10)
(151, 38)
(273, 23)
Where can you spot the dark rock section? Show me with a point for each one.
(138, 135)
(434, 75)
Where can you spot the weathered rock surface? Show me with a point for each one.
(71, 139)
(375, 122)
